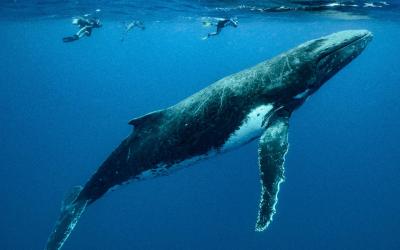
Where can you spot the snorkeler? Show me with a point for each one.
(85, 25)
(222, 23)
(134, 24)
(130, 26)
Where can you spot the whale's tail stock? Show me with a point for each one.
(71, 210)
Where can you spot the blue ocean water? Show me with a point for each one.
(65, 107)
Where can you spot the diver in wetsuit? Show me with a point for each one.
(133, 24)
(222, 23)
(85, 25)
(128, 27)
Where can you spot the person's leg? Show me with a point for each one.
(85, 31)
(88, 31)
(81, 32)
(209, 35)
(213, 33)
(219, 29)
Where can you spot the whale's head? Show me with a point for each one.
(334, 52)
(316, 61)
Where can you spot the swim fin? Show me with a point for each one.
(70, 38)
(71, 211)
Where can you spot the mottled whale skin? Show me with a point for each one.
(251, 104)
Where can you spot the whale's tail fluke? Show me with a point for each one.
(71, 210)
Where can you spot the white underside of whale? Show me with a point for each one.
(250, 129)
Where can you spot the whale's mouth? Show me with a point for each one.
(365, 36)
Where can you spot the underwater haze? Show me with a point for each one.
(65, 107)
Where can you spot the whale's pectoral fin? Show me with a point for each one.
(71, 211)
(271, 157)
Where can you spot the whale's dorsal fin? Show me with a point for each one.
(271, 158)
(152, 116)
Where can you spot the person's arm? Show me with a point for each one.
(233, 23)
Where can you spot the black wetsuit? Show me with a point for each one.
(86, 26)
(222, 24)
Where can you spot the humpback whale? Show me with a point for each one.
(255, 103)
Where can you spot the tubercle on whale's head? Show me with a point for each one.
(314, 62)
